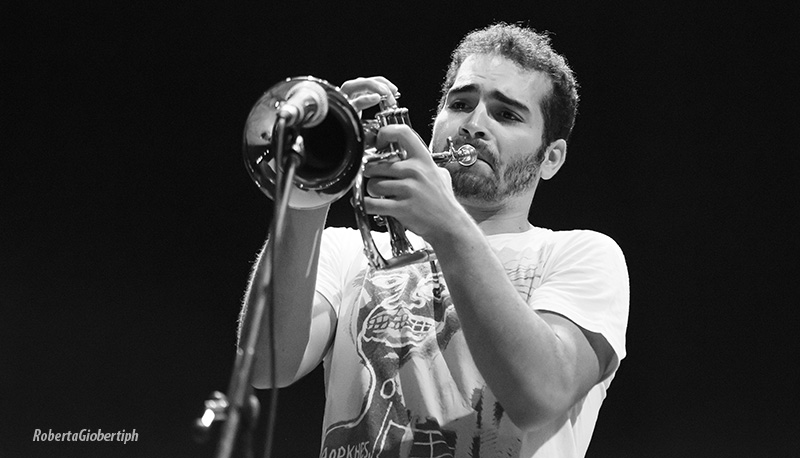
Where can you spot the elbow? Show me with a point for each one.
(529, 417)
(285, 374)
(265, 382)
(537, 411)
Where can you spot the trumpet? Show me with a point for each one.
(336, 145)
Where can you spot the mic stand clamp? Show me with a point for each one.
(217, 411)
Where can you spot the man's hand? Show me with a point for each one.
(415, 191)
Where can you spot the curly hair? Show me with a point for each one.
(530, 50)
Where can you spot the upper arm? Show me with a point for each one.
(323, 327)
(588, 282)
(588, 354)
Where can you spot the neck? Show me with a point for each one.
(508, 217)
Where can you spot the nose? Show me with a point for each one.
(474, 125)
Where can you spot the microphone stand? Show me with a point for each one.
(241, 407)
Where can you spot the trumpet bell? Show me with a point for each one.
(332, 150)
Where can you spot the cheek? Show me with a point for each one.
(520, 145)
(442, 127)
(440, 120)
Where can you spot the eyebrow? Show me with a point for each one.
(472, 88)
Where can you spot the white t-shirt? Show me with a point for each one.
(400, 381)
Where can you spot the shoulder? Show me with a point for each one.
(586, 253)
(340, 245)
(584, 241)
(341, 236)
(574, 241)
(340, 231)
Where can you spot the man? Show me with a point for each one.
(510, 350)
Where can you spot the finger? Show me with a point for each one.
(393, 189)
(406, 137)
(378, 206)
(364, 101)
(388, 84)
(393, 89)
(382, 169)
(373, 85)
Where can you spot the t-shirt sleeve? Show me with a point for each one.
(339, 248)
(587, 281)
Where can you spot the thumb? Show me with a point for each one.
(444, 175)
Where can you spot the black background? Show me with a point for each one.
(129, 223)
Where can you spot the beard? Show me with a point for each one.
(508, 180)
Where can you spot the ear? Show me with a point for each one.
(554, 157)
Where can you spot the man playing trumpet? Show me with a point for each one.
(507, 343)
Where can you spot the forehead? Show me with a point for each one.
(492, 72)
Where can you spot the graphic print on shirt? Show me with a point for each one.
(398, 320)
(394, 322)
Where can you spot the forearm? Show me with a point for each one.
(293, 284)
(534, 373)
